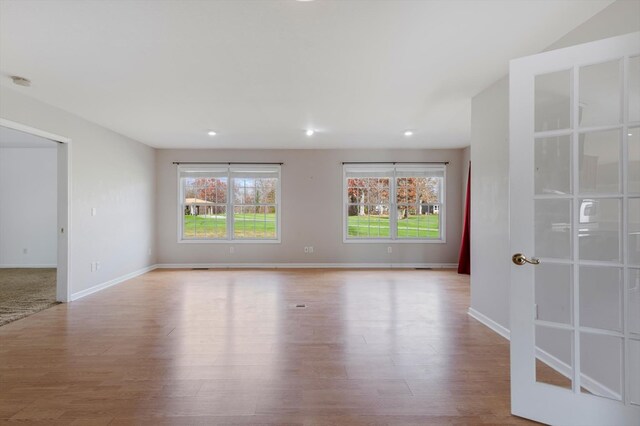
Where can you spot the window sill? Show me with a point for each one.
(183, 241)
(389, 241)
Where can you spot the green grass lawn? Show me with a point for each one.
(259, 226)
(245, 226)
(415, 226)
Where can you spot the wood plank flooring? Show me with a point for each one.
(372, 347)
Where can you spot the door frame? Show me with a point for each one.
(63, 278)
(557, 406)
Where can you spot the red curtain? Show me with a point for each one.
(464, 259)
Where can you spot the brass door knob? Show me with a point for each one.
(520, 259)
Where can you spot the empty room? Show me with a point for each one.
(320, 212)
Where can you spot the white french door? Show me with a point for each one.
(575, 234)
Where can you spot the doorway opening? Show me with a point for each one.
(34, 220)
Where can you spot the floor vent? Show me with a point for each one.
(199, 269)
(301, 305)
(424, 269)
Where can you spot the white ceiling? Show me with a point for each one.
(259, 72)
(10, 138)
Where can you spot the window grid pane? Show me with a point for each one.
(204, 213)
(255, 221)
(368, 220)
(418, 201)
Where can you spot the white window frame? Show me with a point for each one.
(230, 206)
(393, 202)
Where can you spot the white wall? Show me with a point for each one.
(466, 157)
(490, 255)
(311, 193)
(28, 207)
(490, 197)
(109, 171)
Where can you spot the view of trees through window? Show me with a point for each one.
(251, 200)
(254, 207)
(417, 206)
(205, 208)
(228, 204)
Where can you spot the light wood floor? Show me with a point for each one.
(372, 347)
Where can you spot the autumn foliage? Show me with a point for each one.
(372, 195)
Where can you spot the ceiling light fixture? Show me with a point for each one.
(408, 132)
(211, 133)
(629, 134)
(21, 81)
(309, 132)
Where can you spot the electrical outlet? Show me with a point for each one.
(97, 266)
(310, 249)
(232, 250)
(94, 211)
(25, 251)
(389, 249)
(93, 266)
(306, 249)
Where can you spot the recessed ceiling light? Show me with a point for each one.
(211, 133)
(309, 132)
(408, 132)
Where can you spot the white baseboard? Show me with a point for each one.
(559, 366)
(500, 329)
(307, 265)
(16, 266)
(586, 382)
(553, 362)
(110, 283)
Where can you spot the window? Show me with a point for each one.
(394, 203)
(239, 203)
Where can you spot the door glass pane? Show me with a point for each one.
(634, 370)
(633, 297)
(553, 229)
(601, 297)
(601, 365)
(633, 137)
(553, 165)
(552, 101)
(600, 94)
(633, 228)
(599, 157)
(554, 360)
(599, 229)
(634, 88)
(553, 292)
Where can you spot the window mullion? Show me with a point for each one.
(182, 202)
(393, 208)
(230, 212)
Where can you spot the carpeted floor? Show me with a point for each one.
(25, 291)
